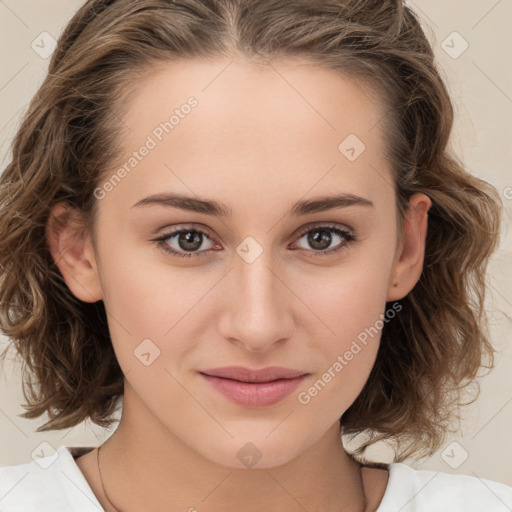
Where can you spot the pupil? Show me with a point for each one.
(316, 241)
(191, 240)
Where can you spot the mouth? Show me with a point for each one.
(254, 388)
(242, 374)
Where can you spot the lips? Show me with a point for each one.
(251, 387)
(243, 374)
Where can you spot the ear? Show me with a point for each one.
(410, 254)
(72, 250)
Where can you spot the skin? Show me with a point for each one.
(257, 143)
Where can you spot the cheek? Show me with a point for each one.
(349, 304)
(349, 298)
(144, 300)
(346, 340)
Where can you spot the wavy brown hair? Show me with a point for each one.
(72, 133)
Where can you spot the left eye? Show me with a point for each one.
(319, 237)
(189, 241)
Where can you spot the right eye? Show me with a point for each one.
(187, 243)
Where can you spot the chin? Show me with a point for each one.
(254, 452)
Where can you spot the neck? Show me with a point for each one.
(145, 467)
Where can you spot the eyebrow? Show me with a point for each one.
(214, 208)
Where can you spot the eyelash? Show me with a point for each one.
(344, 233)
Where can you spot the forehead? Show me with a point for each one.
(284, 126)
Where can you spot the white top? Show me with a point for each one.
(55, 483)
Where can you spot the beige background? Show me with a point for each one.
(480, 80)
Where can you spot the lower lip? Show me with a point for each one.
(253, 394)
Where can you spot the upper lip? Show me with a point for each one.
(243, 374)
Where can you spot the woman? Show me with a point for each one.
(241, 219)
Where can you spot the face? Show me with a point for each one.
(265, 281)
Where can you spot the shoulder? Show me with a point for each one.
(413, 490)
(47, 484)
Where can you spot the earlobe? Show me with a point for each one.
(72, 251)
(408, 263)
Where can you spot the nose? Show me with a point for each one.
(258, 312)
